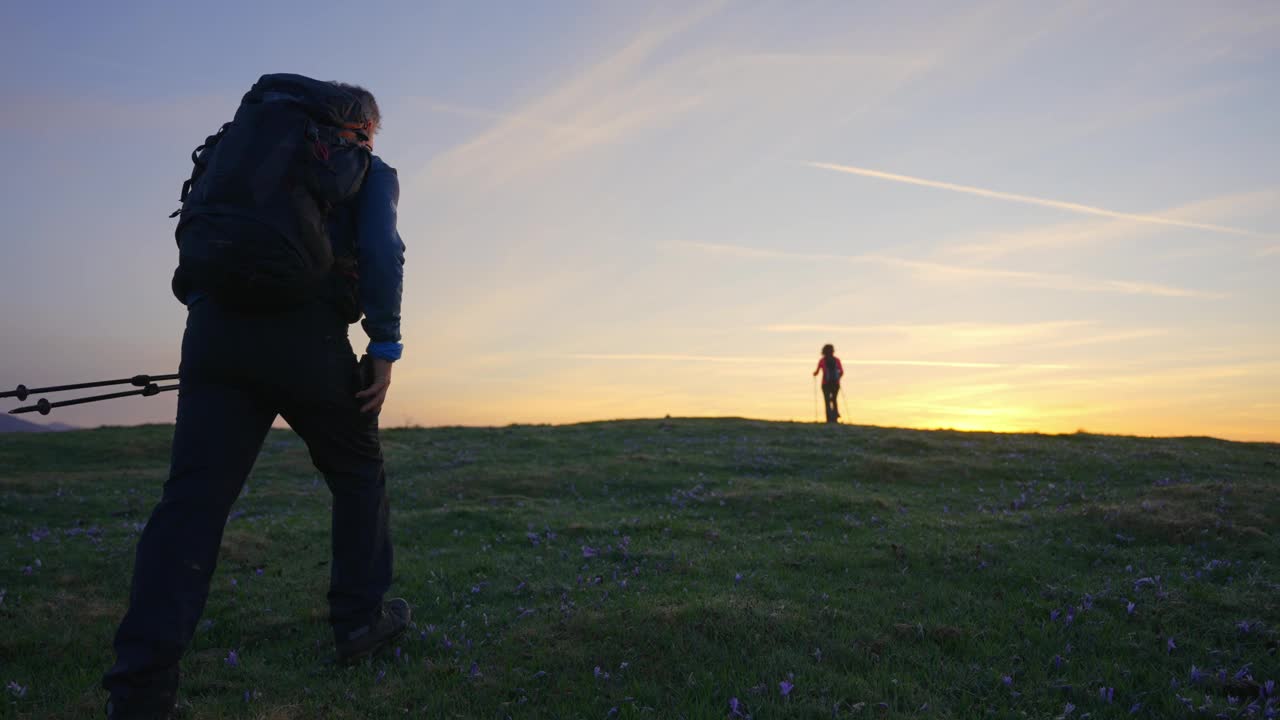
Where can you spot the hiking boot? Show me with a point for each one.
(392, 620)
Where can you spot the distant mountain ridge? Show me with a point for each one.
(9, 423)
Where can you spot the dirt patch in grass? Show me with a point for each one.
(1186, 513)
(880, 469)
(244, 547)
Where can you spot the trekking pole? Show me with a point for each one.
(22, 392)
(43, 406)
(815, 398)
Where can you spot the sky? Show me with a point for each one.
(1010, 216)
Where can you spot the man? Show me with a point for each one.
(239, 370)
(832, 370)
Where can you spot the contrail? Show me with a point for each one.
(1044, 202)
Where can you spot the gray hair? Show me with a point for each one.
(372, 116)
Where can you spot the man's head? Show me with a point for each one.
(369, 105)
(828, 350)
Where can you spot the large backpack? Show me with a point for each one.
(253, 231)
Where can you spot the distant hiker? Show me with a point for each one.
(287, 235)
(831, 369)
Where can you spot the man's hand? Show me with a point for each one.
(376, 394)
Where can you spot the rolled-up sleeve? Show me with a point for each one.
(381, 258)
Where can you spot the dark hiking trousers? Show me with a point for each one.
(238, 372)
(830, 393)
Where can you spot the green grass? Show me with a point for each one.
(885, 573)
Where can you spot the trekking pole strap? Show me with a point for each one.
(22, 392)
(44, 406)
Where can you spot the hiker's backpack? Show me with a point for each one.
(253, 231)
(832, 374)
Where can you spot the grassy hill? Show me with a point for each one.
(687, 569)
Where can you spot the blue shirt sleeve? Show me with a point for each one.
(381, 258)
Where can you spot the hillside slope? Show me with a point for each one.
(687, 568)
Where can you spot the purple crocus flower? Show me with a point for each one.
(735, 708)
(1197, 676)
(1008, 681)
(589, 552)
(1053, 615)
(1068, 709)
(1057, 662)
(785, 688)
(1133, 710)
(15, 689)
(1243, 626)
(233, 660)
(475, 670)
(1129, 607)
(1269, 688)
(1108, 694)
(381, 674)
(737, 577)
(1170, 645)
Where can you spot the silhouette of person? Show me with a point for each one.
(239, 370)
(831, 369)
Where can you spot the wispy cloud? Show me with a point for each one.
(1043, 202)
(1124, 336)
(940, 271)
(1094, 232)
(969, 334)
(604, 103)
(977, 332)
(792, 362)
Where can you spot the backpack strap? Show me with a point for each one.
(199, 163)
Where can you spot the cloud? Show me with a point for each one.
(967, 331)
(792, 362)
(1044, 202)
(939, 271)
(1094, 232)
(51, 116)
(604, 103)
(1139, 334)
(962, 335)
